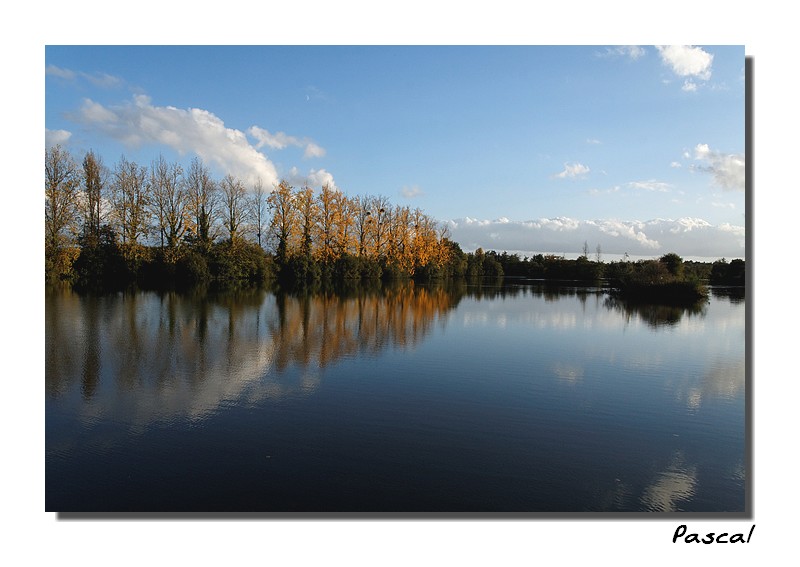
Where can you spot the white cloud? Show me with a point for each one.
(687, 224)
(95, 113)
(675, 164)
(55, 137)
(701, 151)
(277, 141)
(192, 130)
(728, 170)
(314, 178)
(688, 237)
(557, 224)
(320, 177)
(686, 60)
(631, 233)
(572, 171)
(593, 141)
(281, 140)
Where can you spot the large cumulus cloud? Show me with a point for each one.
(195, 131)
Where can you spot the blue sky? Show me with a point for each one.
(637, 149)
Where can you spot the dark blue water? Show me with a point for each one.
(410, 398)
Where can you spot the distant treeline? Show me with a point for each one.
(554, 267)
(163, 226)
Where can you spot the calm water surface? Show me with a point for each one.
(409, 398)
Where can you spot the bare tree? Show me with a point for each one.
(129, 200)
(202, 202)
(168, 201)
(234, 211)
(258, 209)
(92, 202)
(60, 188)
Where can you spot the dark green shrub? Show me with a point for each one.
(192, 269)
(239, 262)
(100, 264)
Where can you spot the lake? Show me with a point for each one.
(521, 397)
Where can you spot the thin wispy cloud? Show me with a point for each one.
(102, 80)
(572, 171)
(633, 52)
(313, 93)
(59, 72)
(595, 191)
(411, 192)
(650, 185)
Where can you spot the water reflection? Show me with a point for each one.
(723, 380)
(655, 315)
(197, 350)
(187, 354)
(501, 397)
(733, 294)
(671, 487)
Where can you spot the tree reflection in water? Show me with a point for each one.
(202, 342)
(188, 353)
(655, 315)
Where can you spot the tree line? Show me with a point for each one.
(163, 223)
